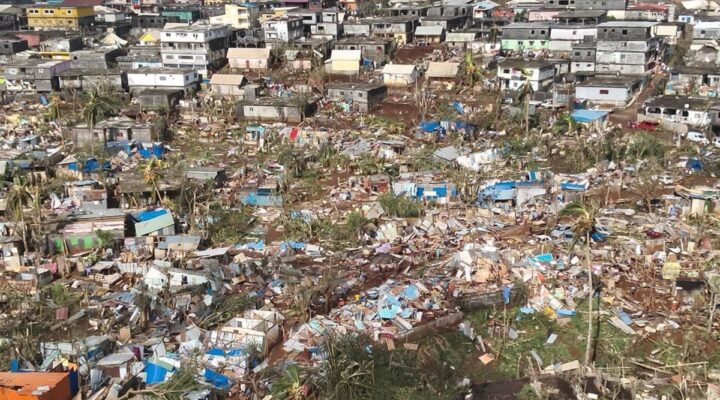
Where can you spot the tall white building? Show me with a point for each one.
(285, 29)
(201, 47)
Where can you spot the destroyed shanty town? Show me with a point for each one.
(359, 199)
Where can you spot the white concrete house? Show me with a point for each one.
(249, 59)
(228, 85)
(399, 74)
(345, 61)
(162, 78)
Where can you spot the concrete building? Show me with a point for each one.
(582, 57)
(249, 59)
(597, 4)
(34, 76)
(97, 58)
(228, 85)
(614, 92)
(116, 129)
(526, 36)
(368, 46)
(563, 36)
(626, 47)
(201, 47)
(9, 47)
(243, 16)
(399, 29)
(705, 33)
(284, 29)
(539, 73)
(89, 78)
(429, 34)
(701, 80)
(399, 74)
(363, 97)
(580, 17)
(345, 61)
(690, 111)
(47, 17)
(166, 78)
(275, 109)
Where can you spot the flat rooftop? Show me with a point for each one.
(615, 81)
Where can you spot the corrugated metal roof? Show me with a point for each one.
(227, 79)
(432, 30)
(398, 69)
(442, 70)
(248, 53)
(349, 55)
(460, 36)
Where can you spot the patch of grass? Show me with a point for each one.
(399, 206)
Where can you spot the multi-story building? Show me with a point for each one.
(626, 47)
(513, 73)
(201, 47)
(184, 12)
(526, 36)
(573, 27)
(239, 16)
(284, 29)
(59, 17)
(583, 57)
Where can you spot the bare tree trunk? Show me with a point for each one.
(588, 344)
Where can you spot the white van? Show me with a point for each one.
(698, 137)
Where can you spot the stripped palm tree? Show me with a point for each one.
(522, 95)
(18, 196)
(98, 106)
(584, 224)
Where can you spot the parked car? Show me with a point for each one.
(698, 137)
(562, 231)
(664, 179)
(652, 233)
(643, 125)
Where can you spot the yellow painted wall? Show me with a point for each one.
(60, 12)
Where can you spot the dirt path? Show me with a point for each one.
(630, 113)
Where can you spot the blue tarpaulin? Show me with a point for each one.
(580, 187)
(430, 126)
(584, 116)
(74, 382)
(506, 294)
(458, 106)
(154, 373)
(14, 365)
(220, 381)
(694, 164)
(93, 165)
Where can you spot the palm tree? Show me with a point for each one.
(523, 96)
(290, 386)
(471, 73)
(566, 124)
(54, 113)
(98, 106)
(584, 224)
(152, 176)
(18, 196)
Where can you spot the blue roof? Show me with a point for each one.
(588, 115)
(148, 215)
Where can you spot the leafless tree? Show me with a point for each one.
(424, 101)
